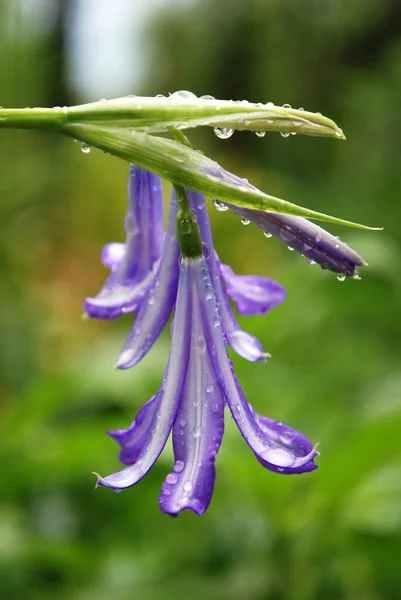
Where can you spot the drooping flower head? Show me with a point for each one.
(199, 380)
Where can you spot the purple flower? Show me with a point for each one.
(198, 383)
(253, 295)
(133, 264)
(315, 243)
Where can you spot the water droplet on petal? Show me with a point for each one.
(245, 221)
(208, 291)
(216, 320)
(187, 487)
(341, 277)
(215, 408)
(172, 478)
(285, 134)
(286, 105)
(223, 133)
(310, 261)
(267, 234)
(85, 148)
(183, 422)
(197, 432)
(179, 465)
(209, 388)
(260, 134)
(166, 492)
(290, 249)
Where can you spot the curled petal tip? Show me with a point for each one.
(98, 479)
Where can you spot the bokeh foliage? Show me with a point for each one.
(335, 372)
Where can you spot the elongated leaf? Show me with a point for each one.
(181, 110)
(188, 168)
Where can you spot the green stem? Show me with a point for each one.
(33, 118)
(188, 234)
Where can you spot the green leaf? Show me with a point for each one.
(181, 110)
(188, 168)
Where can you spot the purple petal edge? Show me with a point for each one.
(252, 294)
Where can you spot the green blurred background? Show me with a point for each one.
(335, 372)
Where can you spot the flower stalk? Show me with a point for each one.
(188, 234)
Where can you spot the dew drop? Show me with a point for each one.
(341, 277)
(208, 291)
(310, 261)
(197, 432)
(129, 223)
(287, 236)
(215, 408)
(172, 478)
(186, 226)
(245, 221)
(216, 320)
(223, 133)
(166, 492)
(179, 465)
(286, 105)
(219, 205)
(187, 487)
(290, 249)
(260, 134)
(183, 422)
(285, 134)
(301, 108)
(267, 234)
(85, 148)
(117, 490)
(209, 388)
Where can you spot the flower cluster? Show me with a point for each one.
(155, 274)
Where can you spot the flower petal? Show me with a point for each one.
(314, 242)
(289, 439)
(132, 271)
(155, 311)
(199, 426)
(241, 342)
(253, 295)
(167, 399)
(115, 300)
(256, 433)
(132, 440)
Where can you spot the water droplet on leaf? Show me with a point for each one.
(219, 205)
(223, 133)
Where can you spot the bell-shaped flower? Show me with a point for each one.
(252, 294)
(133, 265)
(198, 383)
